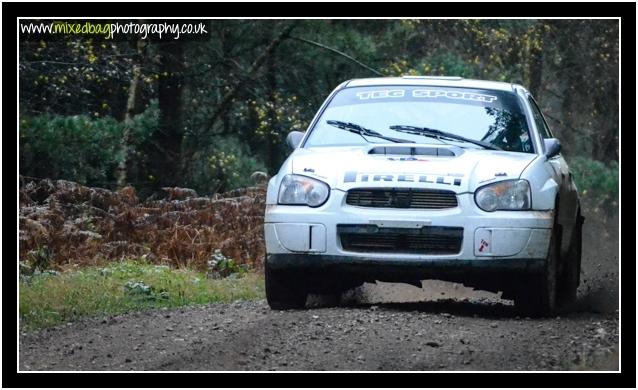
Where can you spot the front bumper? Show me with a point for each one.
(323, 272)
(505, 236)
(385, 265)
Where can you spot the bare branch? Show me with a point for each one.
(339, 53)
(226, 100)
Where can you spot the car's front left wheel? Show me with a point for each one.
(285, 288)
(537, 297)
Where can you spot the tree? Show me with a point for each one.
(164, 148)
(132, 104)
(179, 103)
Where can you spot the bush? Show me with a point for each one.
(444, 64)
(63, 223)
(78, 148)
(596, 181)
(70, 147)
(220, 266)
(38, 260)
(224, 166)
(142, 291)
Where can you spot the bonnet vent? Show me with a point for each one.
(412, 151)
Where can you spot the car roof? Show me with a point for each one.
(434, 81)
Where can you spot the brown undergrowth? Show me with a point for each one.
(70, 224)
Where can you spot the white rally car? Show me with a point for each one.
(412, 178)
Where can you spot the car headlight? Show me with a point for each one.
(504, 195)
(302, 190)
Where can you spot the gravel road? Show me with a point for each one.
(377, 327)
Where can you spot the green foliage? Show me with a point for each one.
(443, 64)
(141, 291)
(225, 165)
(38, 260)
(596, 180)
(71, 147)
(144, 124)
(448, 64)
(38, 264)
(48, 300)
(220, 266)
(88, 151)
(78, 148)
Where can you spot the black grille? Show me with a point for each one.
(433, 240)
(407, 198)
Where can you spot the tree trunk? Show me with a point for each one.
(536, 70)
(127, 146)
(271, 85)
(165, 158)
(605, 147)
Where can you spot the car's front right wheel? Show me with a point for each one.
(285, 288)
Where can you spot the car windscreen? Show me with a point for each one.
(494, 117)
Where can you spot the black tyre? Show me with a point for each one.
(328, 287)
(537, 297)
(330, 300)
(285, 289)
(570, 278)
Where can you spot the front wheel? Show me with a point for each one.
(538, 295)
(285, 289)
(570, 279)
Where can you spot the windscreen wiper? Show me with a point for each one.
(438, 134)
(363, 132)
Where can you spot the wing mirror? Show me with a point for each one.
(294, 139)
(552, 147)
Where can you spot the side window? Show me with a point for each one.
(540, 121)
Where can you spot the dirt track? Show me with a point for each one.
(447, 328)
